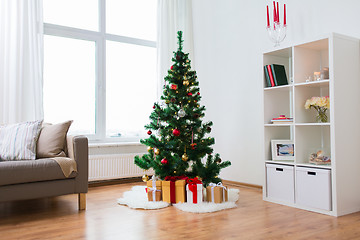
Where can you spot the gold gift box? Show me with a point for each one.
(179, 191)
(218, 194)
(157, 195)
(149, 185)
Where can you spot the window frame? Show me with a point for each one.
(99, 38)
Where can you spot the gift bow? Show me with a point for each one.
(175, 178)
(213, 185)
(193, 181)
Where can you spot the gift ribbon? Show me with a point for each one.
(192, 183)
(172, 180)
(153, 188)
(213, 185)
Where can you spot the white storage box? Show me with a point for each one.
(280, 182)
(313, 187)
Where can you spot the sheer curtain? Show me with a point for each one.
(21, 61)
(173, 16)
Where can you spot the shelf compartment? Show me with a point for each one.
(309, 58)
(277, 102)
(271, 133)
(310, 139)
(304, 92)
(280, 57)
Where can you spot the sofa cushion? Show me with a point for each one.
(52, 140)
(18, 141)
(14, 172)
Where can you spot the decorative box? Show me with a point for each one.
(194, 193)
(216, 193)
(173, 191)
(153, 190)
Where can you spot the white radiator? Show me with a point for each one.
(114, 166)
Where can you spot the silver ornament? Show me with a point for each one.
(181, 113)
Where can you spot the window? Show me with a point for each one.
(100, 66)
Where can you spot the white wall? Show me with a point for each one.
(229, 38)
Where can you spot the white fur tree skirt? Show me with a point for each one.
(137, 198)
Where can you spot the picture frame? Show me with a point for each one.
(282, 150)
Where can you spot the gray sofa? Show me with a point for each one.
(40, 178)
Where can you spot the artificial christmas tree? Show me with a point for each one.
(177, 141)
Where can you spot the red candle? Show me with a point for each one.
(277, 13)
(274, 12)
(268, 19)
(284, 14)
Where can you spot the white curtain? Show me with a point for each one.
(173, 16)
(21, 61)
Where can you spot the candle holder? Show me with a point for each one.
(277, 33)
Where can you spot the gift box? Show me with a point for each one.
(216, 193)
(194, 193)
(194, 190)
(173, 191)
(154, 195)
(153, 190)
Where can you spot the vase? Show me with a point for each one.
(321, 117)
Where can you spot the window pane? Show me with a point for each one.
(69, 83)
(130, 88)
(72, 13)
(135, 18)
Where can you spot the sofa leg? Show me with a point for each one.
(82, 201)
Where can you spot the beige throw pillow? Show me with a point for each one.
(52, 140)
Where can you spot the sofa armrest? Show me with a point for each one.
(77, 149)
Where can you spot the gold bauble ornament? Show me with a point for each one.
(185, 157)
(167, 101)
(145, 178)
(149, 149)
(218, 160)
(157, 151)
(185, 82)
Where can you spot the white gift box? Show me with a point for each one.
(199, 193)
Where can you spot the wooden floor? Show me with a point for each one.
(58, 218)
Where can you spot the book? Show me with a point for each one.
(270, 75)
(267, 77)
(279, 74)
(281, 120)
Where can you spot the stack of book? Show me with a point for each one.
(281, 120)
(275, 75)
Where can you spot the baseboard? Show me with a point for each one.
(114, 181)
(240, 184)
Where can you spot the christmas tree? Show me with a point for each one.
(177, 143)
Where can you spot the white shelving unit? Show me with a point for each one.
(338, 184)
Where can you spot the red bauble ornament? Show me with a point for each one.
(176, 132)
(173, 86)
(154, 107)
(193, 146)
(172, 67)
(164, 161)
(198, 93)
(189, 94)
(149, 132)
